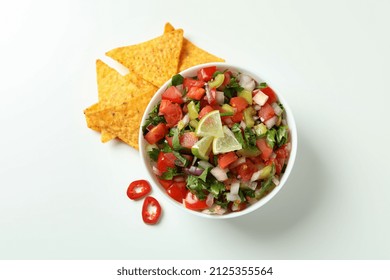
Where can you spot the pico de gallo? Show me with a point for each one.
(197, 170)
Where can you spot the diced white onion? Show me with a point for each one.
(220, 97)
(260, 98)
(277, 109)
(215, 210)
(178, 179)
(156, 171)
(209, 200)
(271, 122)
(238, 161)
(235, 187)
(232, 197)
(219, 173)
(243, 124)
(205, 164)
(252, 185)
(246, 82)
(275, 180)
(180, 87)
(186, 119)
(193, 170)
(256, 175)
(257, 107)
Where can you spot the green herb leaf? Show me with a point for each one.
(282, 135)
(153, 118)
(170, 173)
(181, 161)
(262, 85)
(153, 154)
(197, 186)
(270, 137)
(176, 141)
(266, 187)
(250, 137)
(216, 188)
(177, 80)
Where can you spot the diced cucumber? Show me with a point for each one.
(249, 152)
(192, 111)
(227, 108)
(217, 81)
(260, 130)
(194, 123)
(247, 95)
(248, 116)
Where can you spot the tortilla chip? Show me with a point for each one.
(192, 55)
(106, 136)
(155, 60)
(113, 90)
(123, 120)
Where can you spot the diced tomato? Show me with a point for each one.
(138, 189)
(282, 152)
(279, 163)
(171, 111)
(156, 133)
(226, 80)
(266, 112)
(246, 170)
(225, 159)
(165, 161)
(206, 109)
(177, 191)
(239, 103)
(237, 117)
(196, 93)
(192, 202)
(266, 151)
(189, 83)
(188, 139)
(172, 94)
(271, 95)
(206, 74)
(169, 140)
(165, 183)
(151, 210)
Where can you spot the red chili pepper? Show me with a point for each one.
(151, 210)
(138, 189)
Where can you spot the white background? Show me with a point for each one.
(62, 192)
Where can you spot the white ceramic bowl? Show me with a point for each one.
(191, 72)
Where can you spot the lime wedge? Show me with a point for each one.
(202, 148)
(210, 125)
(227, 143)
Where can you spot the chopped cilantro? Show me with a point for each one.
(177, 80)
(153, 118)
(153, 154)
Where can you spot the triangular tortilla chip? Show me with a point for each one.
(123, 120)
(156, 60)
(114, 89)
(192, 55)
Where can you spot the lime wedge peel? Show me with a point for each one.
(202, 148)
(210, 125)
(227, 143)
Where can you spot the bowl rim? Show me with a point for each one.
(290, 121)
